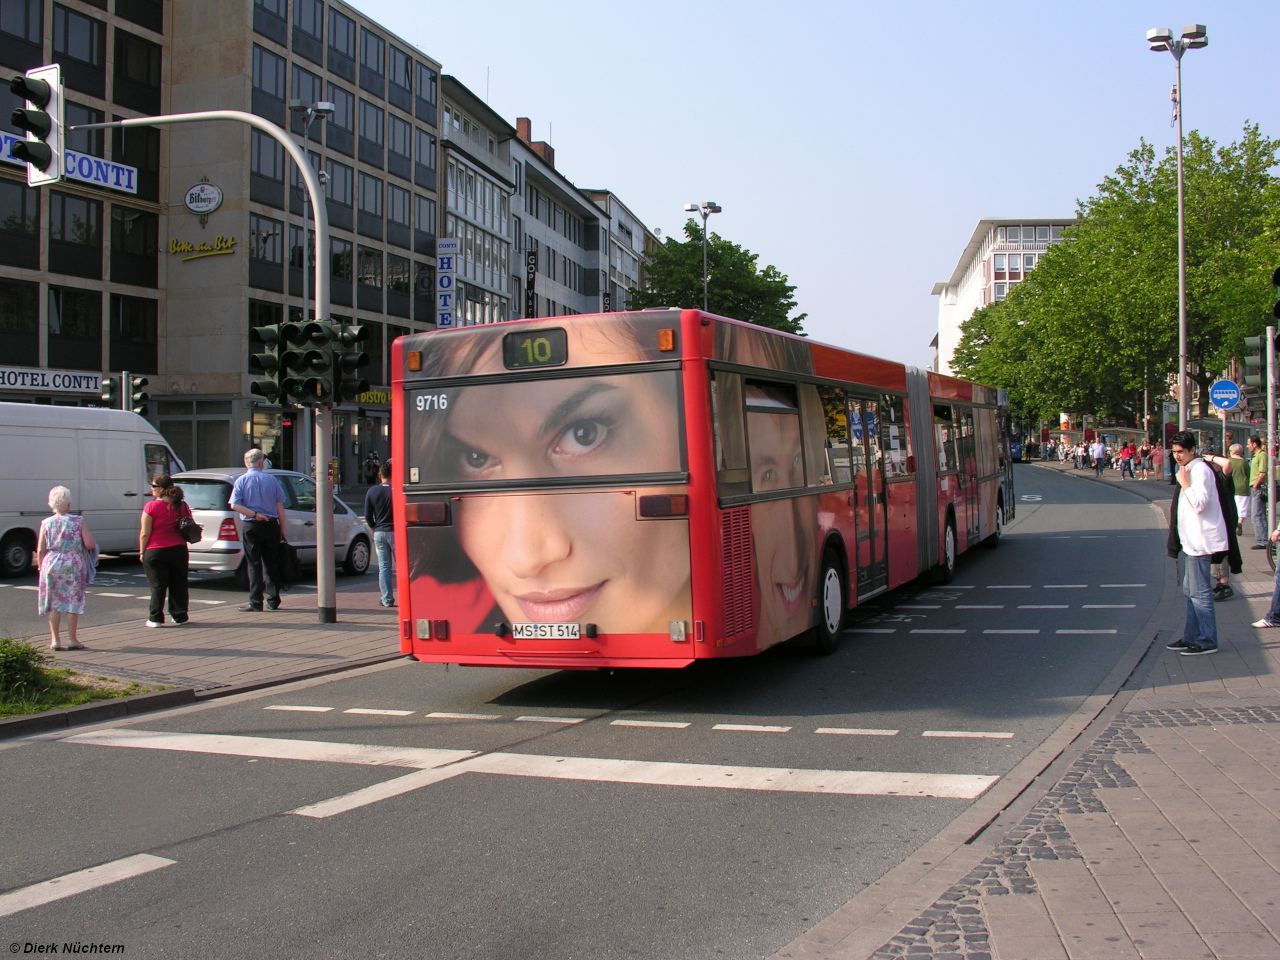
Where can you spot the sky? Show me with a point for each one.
(855, 146)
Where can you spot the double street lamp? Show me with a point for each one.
(706, 209)
(1194, 36)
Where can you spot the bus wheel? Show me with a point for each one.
(947, 571)
(15, 554)
(993, 541)
(831, 604)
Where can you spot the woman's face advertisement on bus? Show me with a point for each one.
(580, 555)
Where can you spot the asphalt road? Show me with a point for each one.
(546, 848)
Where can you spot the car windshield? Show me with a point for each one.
(206, 494)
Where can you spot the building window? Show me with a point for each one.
(92, 142)
(137, 73)
(399, 217)
(369, 222)
(424, 226)
(22, 33)
(341, 270)
(342, 45)
(19, 225)
(270, 18)
(80, 46)
(340, 194)
(371, 134)
(134, 247)
(266, 169)
(132, 335)
(308, 88)
(1000, 290)
(298, 186)
(1055, 233)
(145, 13)
(373, 72)
(998, 264)
(399, 285)
(341, 127)
(424, 104)
(75, 328)
(399, 147)
(1028, 262)
(20, 323)
(268, 94)
(139, 147)
(369, 279)
(75, 235)
(308, 29)
(424, 170)
(266, 253)
(400, 77)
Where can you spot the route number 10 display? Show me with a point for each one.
(535, 348)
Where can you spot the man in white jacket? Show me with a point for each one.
(1202, 533)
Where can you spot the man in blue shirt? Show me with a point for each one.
(258, 497)
(377, 513)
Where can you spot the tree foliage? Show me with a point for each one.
(737, 287)
(1097, 320)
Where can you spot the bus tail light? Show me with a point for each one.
(658, 506)
(666, 340)
(227, 531)
(415, 361)
(911, 464)
(432, 629)
(431, 513)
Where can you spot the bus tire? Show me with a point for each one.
(947, 570)
(993, 541)
(15, 553)
(832, 591)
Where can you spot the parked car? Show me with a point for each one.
(208, 492)
(104, 457)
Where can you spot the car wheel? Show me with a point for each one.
(947, 571)
(357, 562)
(15, 555)
(831, 604)
(993, 541)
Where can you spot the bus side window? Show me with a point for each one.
(733, 473)
(988, 440)
(813, 423)
(894, 438)
(836, 454)
(944, 437)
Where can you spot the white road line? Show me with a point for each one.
(1010, 631)
(1044, 606)
(958, 586)
(871, 630)
(82, 881)
(211, 602)
(1114, 585)
(1065, 586)
(918, 606)
(551, 719)
(378, 791)
(464, 716)
(25, 587)
(275, 749)
(103, 593)
(295, 709)
(379, 713)
(1094, 536)
(1085, 631)
(968, 734)
(751, 727)
(1008, 586)
(857, 731)
(662, 724)
(1107, 606)
(939, 631)
(979, 606)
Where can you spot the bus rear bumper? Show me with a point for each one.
(556, 661)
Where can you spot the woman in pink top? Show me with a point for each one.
(164, 551)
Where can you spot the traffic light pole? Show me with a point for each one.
(326, 604)
(1271, 428)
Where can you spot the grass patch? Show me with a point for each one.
(30, 683)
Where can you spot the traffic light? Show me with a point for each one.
(137, 396)
(41, 118)
(267, 362)
(348, 359)
(111, 392)
(1255, 361)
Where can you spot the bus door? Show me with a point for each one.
(869, 495)
(968, 476)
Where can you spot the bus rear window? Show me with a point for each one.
(561, 428)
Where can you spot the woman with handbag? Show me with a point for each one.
(167, 528)
(64, 567)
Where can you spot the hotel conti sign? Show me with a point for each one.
(82, 167)
(49, 381)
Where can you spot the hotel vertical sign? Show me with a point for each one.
(447, 250)
(530, 283)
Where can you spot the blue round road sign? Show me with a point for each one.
(1224, 394)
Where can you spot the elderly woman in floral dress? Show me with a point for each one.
(64, 568)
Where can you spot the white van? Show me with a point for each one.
(106, 458)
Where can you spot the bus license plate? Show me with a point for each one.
(545, 631)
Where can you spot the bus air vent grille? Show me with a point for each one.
(739, 577)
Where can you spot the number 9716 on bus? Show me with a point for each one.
(432, 401)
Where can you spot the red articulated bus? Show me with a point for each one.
(644, 489)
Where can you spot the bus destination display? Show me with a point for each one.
(535, 348)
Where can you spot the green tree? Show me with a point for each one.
(737, 287)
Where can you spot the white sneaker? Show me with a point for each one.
(152, 623)
(1263, 624)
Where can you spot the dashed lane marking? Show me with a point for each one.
(918, 606)
(979, 606)
(369, 711)
(968, 734)
(857, 731)
(297, 709)
(27, 587)
(751, 727)
(871, 630)
(1010, 631)
(82, 881)
(921, 630)
(122, 596)
(659, 724)
(1117, 585)
(1084, 631)
(210, 602)
(1044, 606)
(1065, 586)
(440, 715)
(1008, 586)
(1093, 536)
(550, 719)
(1107, 606)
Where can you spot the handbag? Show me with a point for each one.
(188, 529)
(290, 568)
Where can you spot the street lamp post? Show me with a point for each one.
(705, 209)
(1194, 36)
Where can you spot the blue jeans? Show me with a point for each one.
(385, 543)
(1201, 629)
(1098, 464)
(1258, 511)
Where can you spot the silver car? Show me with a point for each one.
(208, 493)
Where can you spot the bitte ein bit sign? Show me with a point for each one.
(82, 167)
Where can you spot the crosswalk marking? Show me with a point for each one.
(82, 881)
(123, 596)
(660, 724)
(967, 734)
(379, 713)
(440, 715)
(297, 709)
(751, 727)
(550, 719)
(857, 731)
